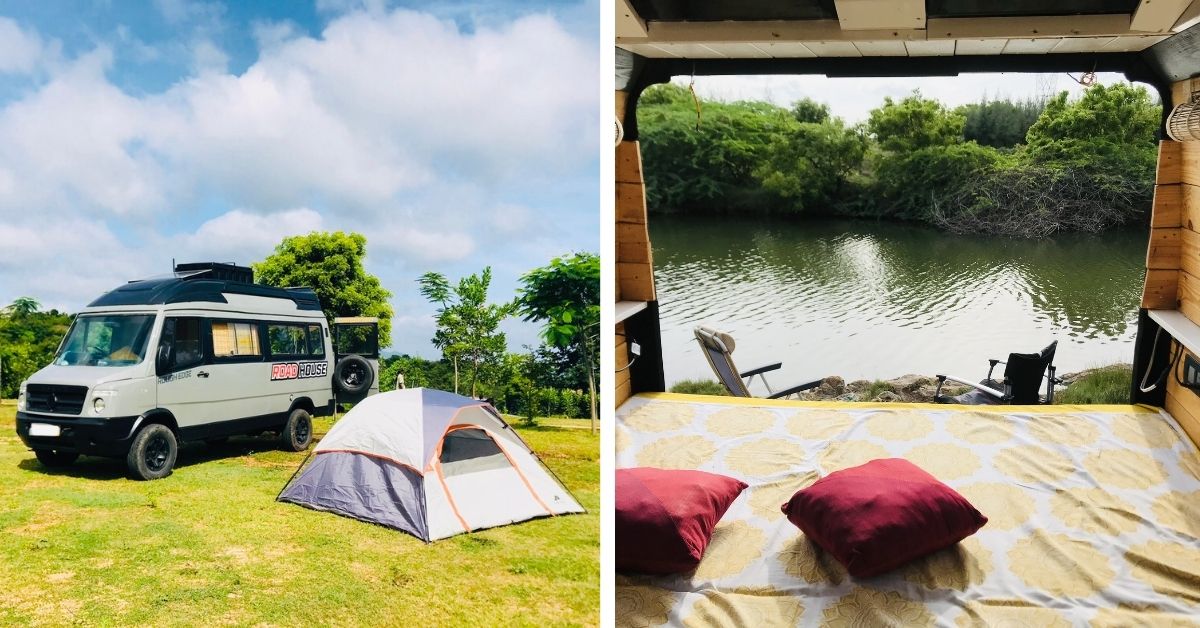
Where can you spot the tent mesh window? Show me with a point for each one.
(470, 451)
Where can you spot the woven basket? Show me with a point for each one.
(1183, 125)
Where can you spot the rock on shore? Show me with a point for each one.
(906, 388)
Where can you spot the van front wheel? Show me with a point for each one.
(297, 434)
(153, 453)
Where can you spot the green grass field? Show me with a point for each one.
(210, 545)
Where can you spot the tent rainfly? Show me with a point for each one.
(431, 463)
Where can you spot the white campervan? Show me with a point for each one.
(202, 354)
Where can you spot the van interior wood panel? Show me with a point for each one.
(1183, 404)
(1165, 249)
(621, 360)
(1161, 290)
(635, 277)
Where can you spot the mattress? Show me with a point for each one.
(1094, 514)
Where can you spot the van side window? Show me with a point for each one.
(187, 343)
(316, 341)
(235, 339)
(287, 340)
(183, 336)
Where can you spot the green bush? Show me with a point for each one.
(1110, 384)
(699, 387)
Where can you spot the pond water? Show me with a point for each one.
(877, 300)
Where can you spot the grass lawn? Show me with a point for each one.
(1110, 384)
(209, 545)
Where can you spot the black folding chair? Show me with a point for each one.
(1023, 375)
(718, 348)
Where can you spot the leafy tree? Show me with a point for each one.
(809, 110)
(1120, 114)
(28, 341)
(23, 306)
(710, 168)
(565, 295)
(914, 123)
(811, 164)
(1000, 123)
(332, 265)
(467, 325)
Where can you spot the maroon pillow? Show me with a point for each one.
(875, 517)
(665, 518)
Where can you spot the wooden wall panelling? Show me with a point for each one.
(1189, 166)
(621, 387)
(629, 163)
(1189, 297)
(1165, 249)
(1170, 162)
(1183, 404)
(635, 281)
(1161, 290)
(1167, 207)
(634, 263)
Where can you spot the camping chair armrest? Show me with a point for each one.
(762, 369)
(794, 389)
(980, 387)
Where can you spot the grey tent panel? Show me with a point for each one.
(362, 487)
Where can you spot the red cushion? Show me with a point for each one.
(665, 517)
(880, 515)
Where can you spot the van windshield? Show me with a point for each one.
(108, 340)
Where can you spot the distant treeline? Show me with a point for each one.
(549, 381)
(1027, 168)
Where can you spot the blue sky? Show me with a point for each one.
(132, 133)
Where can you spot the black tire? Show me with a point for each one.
(52, 459)
(297, 432)
(153, 452)
(353, 374)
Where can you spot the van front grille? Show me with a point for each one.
(56, 399)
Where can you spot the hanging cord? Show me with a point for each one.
(1175, 355)
(1087, 78)
(695, 98)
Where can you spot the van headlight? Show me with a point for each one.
(21, 398)
(100, 401)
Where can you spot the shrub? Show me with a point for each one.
(1110, 384)
(699, 387)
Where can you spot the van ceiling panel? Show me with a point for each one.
(722, 10)
(1016, 8)
(760, 10)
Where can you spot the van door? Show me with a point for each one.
(180, 359)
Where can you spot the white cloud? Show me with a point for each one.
(239, 235)
(433, 141)
(421, 245)
(20, 51)
(208, 58)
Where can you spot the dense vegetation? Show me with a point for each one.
(28, 340)
(1027, 168)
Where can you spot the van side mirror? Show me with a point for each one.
(162, 362)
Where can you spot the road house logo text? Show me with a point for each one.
(299, 370)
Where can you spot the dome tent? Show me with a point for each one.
(431, 463)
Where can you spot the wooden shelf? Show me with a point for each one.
(1182, 329)
(625, 309)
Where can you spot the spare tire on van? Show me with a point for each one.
(353, 374)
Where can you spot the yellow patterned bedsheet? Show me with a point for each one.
(1094, 514)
